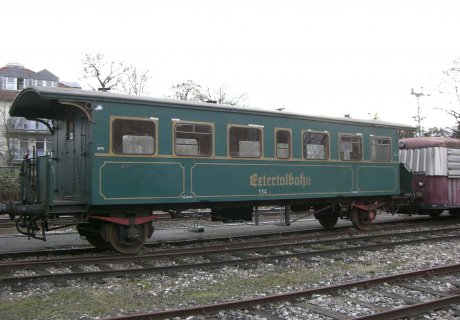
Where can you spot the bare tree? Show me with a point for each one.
(187, 90)
(9, 147)
(134, 81)
(438, 132)
(8, 144)
(406, 134)
(190, 90)
(108, 74)
(221, 96)
(451, 89)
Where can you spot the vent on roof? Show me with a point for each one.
(15, 64)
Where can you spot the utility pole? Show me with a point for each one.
(418, 117)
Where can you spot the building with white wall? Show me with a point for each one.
(18, 136)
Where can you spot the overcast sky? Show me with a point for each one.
(328, 57)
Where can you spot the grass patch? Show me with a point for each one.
(71, 303)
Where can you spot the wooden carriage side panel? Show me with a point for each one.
(436, 190)
(453, 164)
(454, 192)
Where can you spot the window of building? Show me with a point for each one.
(29, 82)
(10, 83)
(245, 142)
(14, 123)
(133, 137)
(381, 149)
(40, 146)
(283, 144)
(351, 148)
(192, 139)
(315, 145)
(24, 148)
(20, 84)
(14, 146)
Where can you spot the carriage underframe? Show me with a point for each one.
(126, 233)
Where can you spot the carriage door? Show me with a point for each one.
(453, 165)
(72, 162)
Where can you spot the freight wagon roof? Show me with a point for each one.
(429, 142)
(43, 102)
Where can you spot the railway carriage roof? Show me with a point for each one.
(44, 102)
(429, 142)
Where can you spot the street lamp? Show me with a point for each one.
(418, 117)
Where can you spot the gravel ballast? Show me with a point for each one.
(83, 299)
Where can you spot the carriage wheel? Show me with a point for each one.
(123, 240)
(92, 233)
(362, 220)
(329, 220)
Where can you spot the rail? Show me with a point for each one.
(371, 242)
(276, 298)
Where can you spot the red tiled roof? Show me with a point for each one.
(8, 95)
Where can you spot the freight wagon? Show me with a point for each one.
(432, 165)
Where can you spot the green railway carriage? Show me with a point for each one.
(116, 158)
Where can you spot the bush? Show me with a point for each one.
(9, 184)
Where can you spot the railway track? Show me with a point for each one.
(21, 273)
(312, 231)
(266, 306)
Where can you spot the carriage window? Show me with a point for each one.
(315, 146)
(283, 144)
(245, 142)
(381, 149)
(133, 136)
(193, 140)
(351, 148)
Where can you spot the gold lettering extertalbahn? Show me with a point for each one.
(289, 179)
